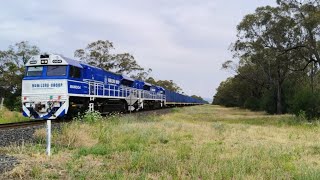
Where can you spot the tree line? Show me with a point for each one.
(98, 53)
(277, 55)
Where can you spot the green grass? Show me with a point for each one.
(7, 116)
(200, 142)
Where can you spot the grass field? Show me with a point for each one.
(200, 142)
(7, 116)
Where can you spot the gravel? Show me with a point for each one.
(7, 163)
(16, 136)
(20, 135)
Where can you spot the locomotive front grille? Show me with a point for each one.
(41, 108)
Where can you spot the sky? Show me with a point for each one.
(181, 40)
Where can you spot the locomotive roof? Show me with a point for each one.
(127, 78)
(57, 59)
(52, 60)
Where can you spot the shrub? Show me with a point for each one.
(252, 103)
(268, 102)
(307, 102)
(89, 117)
(13, 102)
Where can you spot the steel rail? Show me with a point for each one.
(21, 124)
(26, 124)
(42, 121)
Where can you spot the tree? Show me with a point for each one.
(142, 75)
(268, 39)
(99, 54)
(198, 97)
(306, 15)
(227, 94)
(125, 63)
(12, 68)
(24, 51)
(167, 84)
(279, 59)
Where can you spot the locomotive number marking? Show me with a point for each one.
(75, 87)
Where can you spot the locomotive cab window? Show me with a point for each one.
(34, 71)
(75, 72)
(57, 71)
(127, 83)
(147, 88)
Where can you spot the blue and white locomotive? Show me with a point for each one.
(55, 86)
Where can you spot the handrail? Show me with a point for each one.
(120, 91)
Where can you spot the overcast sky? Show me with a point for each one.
(182, 40)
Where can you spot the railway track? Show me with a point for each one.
(21, 133)
(21, 124)
(42, 122)
(27, 124)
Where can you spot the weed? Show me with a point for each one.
(219, 127)
(91, 117)
(95, 150)
(184, 152)
(40, 135)
(35, 172)
(315, 150)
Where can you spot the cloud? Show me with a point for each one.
(185, 41)
(19, 29)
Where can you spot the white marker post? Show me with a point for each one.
(1, 104)
(48, 137)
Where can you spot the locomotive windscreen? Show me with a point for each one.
(57, 70)
(34, 71)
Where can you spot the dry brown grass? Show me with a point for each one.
(75, 135)
(40, 135)
(203, 142)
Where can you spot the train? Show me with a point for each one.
(55, 87)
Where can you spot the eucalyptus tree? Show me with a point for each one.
(126, 63)
(12, 67)
(306, 14)
(268, 40)
(99, 53)
(167, 84)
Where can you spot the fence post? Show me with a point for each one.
(1, 104)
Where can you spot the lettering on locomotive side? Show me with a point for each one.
(46, 85)
(113, 81)
(75, 87)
